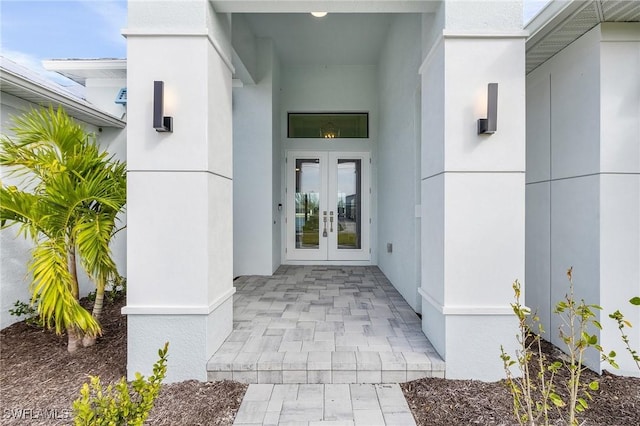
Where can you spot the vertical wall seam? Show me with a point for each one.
(550, 199)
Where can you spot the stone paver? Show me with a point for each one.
(323, 346)
(323, 324)
(324, 404)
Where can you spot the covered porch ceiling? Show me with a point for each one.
(351, 34)
(338, 38)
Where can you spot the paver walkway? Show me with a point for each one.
(328, 404)
(323, 324)
(323, 345)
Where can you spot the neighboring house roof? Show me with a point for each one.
(79, 70)
(25, 84)
(560, 23)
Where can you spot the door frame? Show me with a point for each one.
(361, 256)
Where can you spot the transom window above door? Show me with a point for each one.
(328, 125)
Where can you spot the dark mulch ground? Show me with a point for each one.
(39, 378)
(469, 402)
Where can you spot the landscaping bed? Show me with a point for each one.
(39, 380)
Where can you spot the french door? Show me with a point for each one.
(327, 209)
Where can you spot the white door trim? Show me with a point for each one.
(327, 251)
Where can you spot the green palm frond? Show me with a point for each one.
(43, 139)
(92, 235)
(51, 287)
(69, 199)
(28, 210)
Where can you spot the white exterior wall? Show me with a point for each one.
(256, 158)
(583, 184)
(180, 200)
(332, 88)
(562, 185)
(325, 88)
(399, 156)
(277, 177)
(620, 184)
(16, 251)
(102, 92)
(472, 185)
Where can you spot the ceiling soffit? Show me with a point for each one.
(337, 39)
(571, 22)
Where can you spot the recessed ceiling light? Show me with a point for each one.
(319, 14)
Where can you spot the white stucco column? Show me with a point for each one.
(473, 186)
(180, 227)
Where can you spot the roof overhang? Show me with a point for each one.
(561, 22)
(43, 94)
(79, 70)
(332, 6)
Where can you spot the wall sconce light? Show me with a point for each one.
(489, 125)
(160, 122)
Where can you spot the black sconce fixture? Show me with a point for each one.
(160, 122)
(489, 125)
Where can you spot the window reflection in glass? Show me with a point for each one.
(349, 204)
(328, 125)
(307, 199)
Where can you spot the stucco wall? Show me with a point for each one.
(472, 200)
(399, 156)
(15, 252)
(333, 88)
(620, 183)
(255, 198)
(562, 181)
(277, 178)
(103, 91)
(583, 192)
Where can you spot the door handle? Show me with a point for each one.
(324, 220)
(331, 221)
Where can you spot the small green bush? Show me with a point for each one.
(534, 393)
(117, 405)
(624, 323)
(116, 288)
(30, 312)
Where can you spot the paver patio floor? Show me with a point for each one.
(323, 324)
(323, 345)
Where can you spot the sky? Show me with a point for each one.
(34, 30)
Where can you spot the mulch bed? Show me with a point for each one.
(455, 402)
(39, 380)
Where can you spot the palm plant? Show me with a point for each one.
(69, 197)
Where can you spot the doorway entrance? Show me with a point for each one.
(327, 209)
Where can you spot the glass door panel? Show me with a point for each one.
(307, 203)
(349, 204)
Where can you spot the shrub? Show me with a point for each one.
(118, 405)
(624, 323)
(115, 289)
(30, 312)
(532, 393)
(534, 389)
